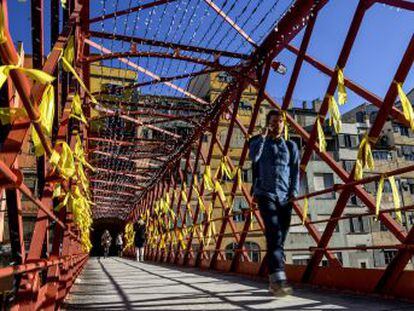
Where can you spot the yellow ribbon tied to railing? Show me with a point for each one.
(184, 195)
(69, 53)
(11, 114)
(364, 158)
(395, 198)
(285, 127)
(225, 168)
(199, 198)
(46, 107)
(64, 161)
(66, 63)
(82, 216)
(406, 106)
(321, 135)
(335, 115)
(305, 210)
(379, 196)
(219, 190)
(46, 111)
(129, 236)
(79, 154)
(208, 182)
(342, 96)
(211, 229)
(35, 74)
(76, 109)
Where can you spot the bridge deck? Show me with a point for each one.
(120, 284)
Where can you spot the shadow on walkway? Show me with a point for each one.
(120, 284)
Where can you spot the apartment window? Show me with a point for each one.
(237, 139)
(404, 131)
(300, 259)
(358, 224)
(388, 256)
(381, 155)
(323, 181)
(247, 175)
(205, 138)
(244, 105)
(408, 152)
(348, 141)
(224, 77)
(410, 182)
(353, 199)
(348, 165)
(351, 141)
(145, 133)
(252, 248)
(239, 205)
(360, 115)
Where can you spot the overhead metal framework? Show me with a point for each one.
(151, 134)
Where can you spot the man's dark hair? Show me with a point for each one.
(272, 113)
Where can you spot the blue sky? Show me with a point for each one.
(380, 44)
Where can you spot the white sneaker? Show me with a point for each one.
(280, 289)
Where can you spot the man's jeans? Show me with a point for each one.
(276, 218)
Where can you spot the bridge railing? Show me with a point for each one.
(40, 274)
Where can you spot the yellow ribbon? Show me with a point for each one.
(321, 135)
(46, 111)
(35, 74)
(80, 154)
(395, 198)
(342, 96)
(57, 190)
(211, 230)
(379, 196)
(80, 81)
(335, 115)
(208, 182)
(69, 53)
(406, 105)
(76, 109)
(64, 161)
(219, 190)
(364, 158)
(285, 125)
(305, 210)
(129, 236)
(10, 115)
(225, 168)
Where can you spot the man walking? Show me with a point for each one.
(275, 164)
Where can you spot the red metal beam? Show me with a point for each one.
(402, 4)
(169, 45)
(176, 56)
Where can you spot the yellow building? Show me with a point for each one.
(102, 77)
